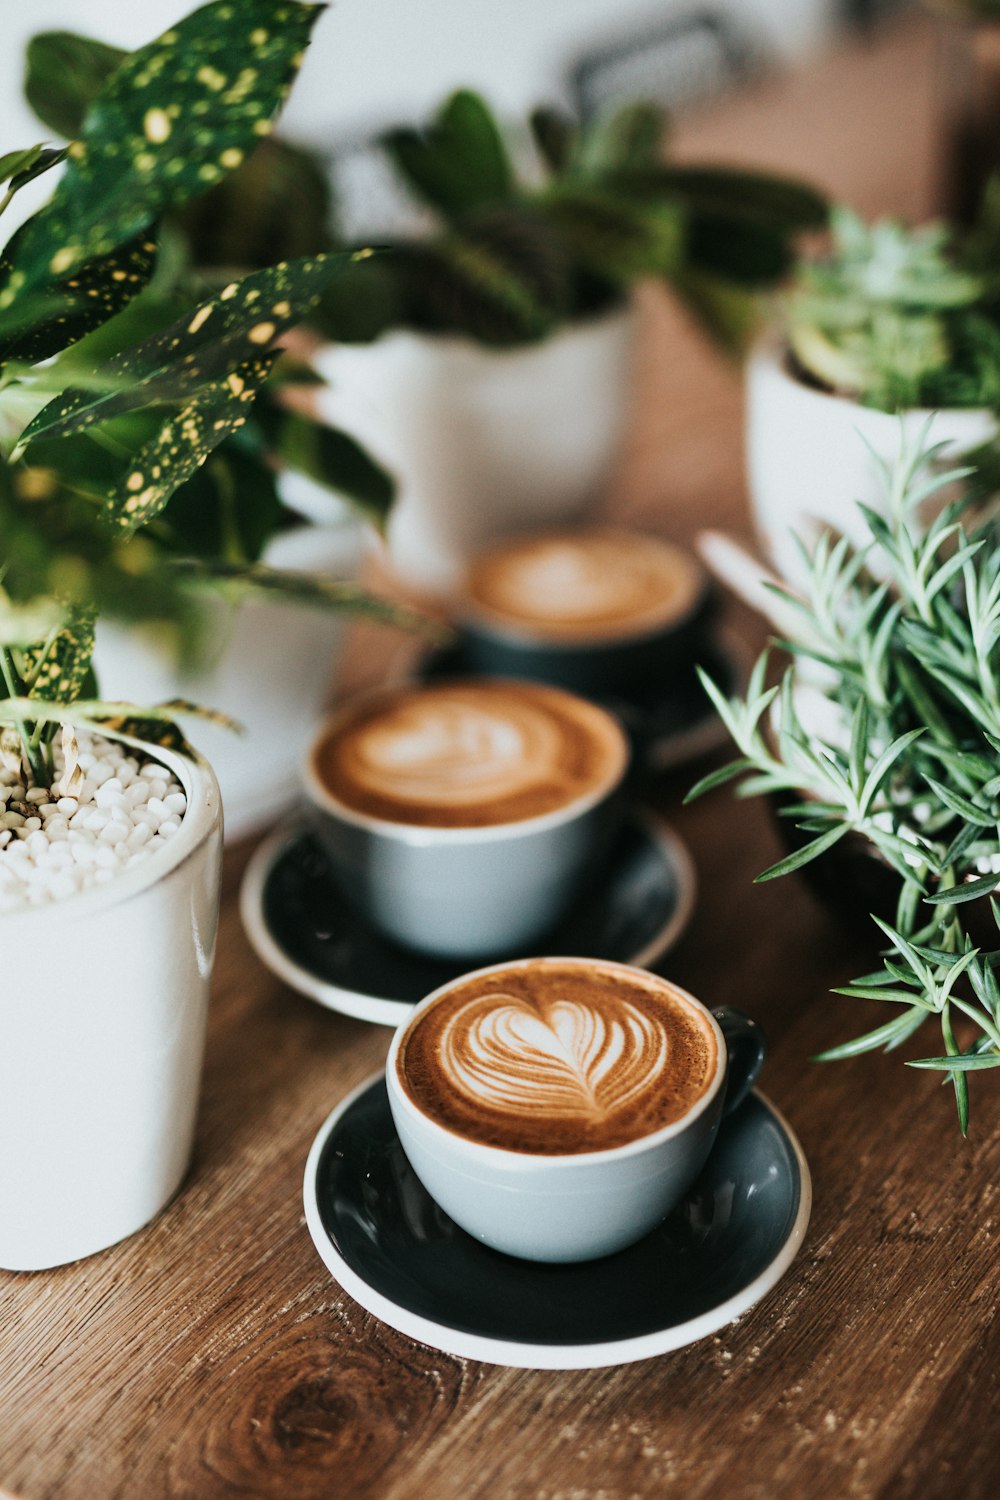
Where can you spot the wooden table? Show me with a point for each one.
(212, 1355)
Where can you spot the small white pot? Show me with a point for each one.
(102, 1012)
(810, 454)
(272, 672)
(482, 442)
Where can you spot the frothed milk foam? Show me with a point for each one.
(470, 753)
(581, 585)
(558, 1057)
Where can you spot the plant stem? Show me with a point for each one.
(33, 759)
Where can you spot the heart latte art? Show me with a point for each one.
(470, 754)
(555, 1056)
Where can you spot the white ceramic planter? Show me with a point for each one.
(810, 454)
(102, 1010)
(272, 673)
(482, 442)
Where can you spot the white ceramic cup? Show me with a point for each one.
(467, 892)
(577, 1206)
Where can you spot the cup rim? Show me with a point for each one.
(430, 833)
(531, 1161)
(476, 618)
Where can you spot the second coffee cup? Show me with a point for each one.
(462, 818)
(596, 610)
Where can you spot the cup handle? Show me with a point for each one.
(747, 1049)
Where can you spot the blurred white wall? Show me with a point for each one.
(374, 61)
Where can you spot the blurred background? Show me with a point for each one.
(375, 61)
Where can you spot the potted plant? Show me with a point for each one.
(109, 857)
(292, 476)
(484, 357)
(884, 736)
(891, 324)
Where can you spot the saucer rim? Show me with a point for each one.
(378, 1009)
(511, 1353)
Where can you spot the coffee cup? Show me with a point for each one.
(596, 610)
(558, 1108)
(463, 817)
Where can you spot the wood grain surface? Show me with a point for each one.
(211, 1355)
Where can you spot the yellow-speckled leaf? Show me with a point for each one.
(176, 117)
(238, 325)
(58, 670)
(183, 443)
(65, 311)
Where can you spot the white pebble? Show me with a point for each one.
(124, 813)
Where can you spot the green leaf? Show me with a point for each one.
(69, 309)
(780, 202)
(964, 1062)
(58, 670)
(891, 1034)
(969, 890)
(183, 443)
(173, 119)
(741, 251)
(204, 346)
(330, 457)
(316, 590)
(21, 167)
(459, 162)
(64, 72)
(555, 135)
(803, 856)
(717, 778)
(625, 139)
(615, 237)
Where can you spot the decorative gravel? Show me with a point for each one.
(123, 810)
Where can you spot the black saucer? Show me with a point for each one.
(297, 922)
(389, 1245)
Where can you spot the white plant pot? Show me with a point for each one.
(103, 1013)
(810, 455)
(482, 442)
(272, 673)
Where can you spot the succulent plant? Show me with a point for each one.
(902, 317)
(106, 411)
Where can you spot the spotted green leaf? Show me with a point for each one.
(183, 443)
(58, 670)
(204, 346)
(65, 311)
(177, 116)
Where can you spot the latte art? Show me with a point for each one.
(469, 754)
(584, 585)
(558, 1056)
(569, 1061)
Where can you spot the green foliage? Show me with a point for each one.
(887, 726)
(124, 384)
(902, 317)
(514, 254)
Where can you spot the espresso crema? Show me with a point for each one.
(470, 754)
(558, 1057)
(587, 585)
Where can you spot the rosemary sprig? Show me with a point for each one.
(886, 725)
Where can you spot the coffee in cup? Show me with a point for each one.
(597, 610)
(558, 1108)
(463, 816)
